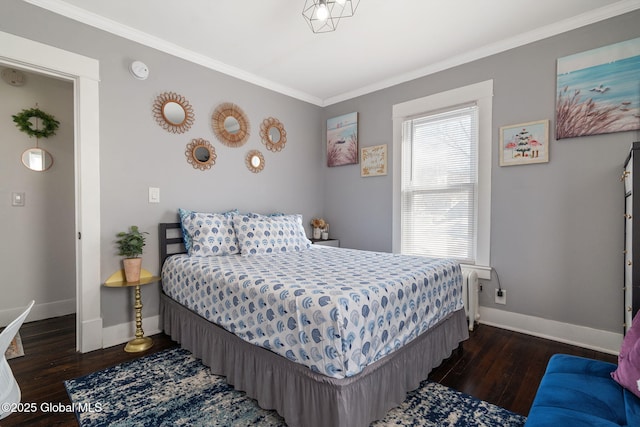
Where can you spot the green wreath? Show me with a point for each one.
(49, 123)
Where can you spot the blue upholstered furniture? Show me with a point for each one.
(577, 392)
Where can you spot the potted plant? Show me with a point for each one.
(130, 246)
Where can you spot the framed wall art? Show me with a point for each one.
(342, 140)
(524, 143)
(598, 91)
(373, 160)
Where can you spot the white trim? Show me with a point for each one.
(483, 272)
(581, 336)
(130, 33)
(89, 18)
(120, 334)
(39, 311)
(84, 73)
(482, 94)
(551, 30)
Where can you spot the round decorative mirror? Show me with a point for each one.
(173, 112)
(37, 159)
(230, 124)
(273, 134)
(200, 154)
(254, 161)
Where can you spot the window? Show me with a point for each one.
(438, 187)
(442, 173)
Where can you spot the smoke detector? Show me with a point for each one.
(139, 70)
(13, 77)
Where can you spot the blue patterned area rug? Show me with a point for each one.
(172, 388)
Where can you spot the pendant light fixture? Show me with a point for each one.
(323, 16)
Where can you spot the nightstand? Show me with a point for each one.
(140, 342)
(329, 242)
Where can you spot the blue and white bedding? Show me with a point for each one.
(333, 310)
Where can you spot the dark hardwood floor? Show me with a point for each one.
(498, 366)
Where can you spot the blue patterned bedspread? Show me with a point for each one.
(333, 310)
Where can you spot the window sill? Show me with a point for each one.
(482, 271)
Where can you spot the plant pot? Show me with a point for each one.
(132, 267)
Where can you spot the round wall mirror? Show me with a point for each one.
(173, 112)
(273, 135)
(37, 159)
(254, 161)
(200, 154)
(230, 124)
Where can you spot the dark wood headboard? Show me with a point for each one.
(170, 240)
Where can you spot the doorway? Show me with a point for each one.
(83, 72)
(37, 175)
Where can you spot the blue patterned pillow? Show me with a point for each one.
(259, 234)
(210, 234)
(183, 213)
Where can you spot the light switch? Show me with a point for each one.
(17, 199)
(154, 195)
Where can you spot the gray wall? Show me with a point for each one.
(136, 153)
(37, 258)
(556, 228)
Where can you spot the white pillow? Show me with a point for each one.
(259, 234)
(210, 234)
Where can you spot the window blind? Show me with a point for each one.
(439, 184)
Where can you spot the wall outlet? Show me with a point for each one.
(501, 299)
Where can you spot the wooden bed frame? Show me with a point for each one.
(303, 397)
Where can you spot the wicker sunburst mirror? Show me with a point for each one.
(254, 161)
(273, 135)
(200, 154)
(230, 124)
(173, 112)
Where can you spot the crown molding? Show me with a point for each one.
(89, 18)
(560, 27)
(113, 27)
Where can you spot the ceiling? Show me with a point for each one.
(386, 42)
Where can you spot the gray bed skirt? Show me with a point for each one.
(305, 398)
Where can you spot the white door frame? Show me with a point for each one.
(84, 73)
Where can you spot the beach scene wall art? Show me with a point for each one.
(598, 91)
(342, 140)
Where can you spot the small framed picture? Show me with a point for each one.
(524, 143)
(373, 160)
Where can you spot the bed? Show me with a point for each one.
(325, 336)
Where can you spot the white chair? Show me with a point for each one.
(9, 390)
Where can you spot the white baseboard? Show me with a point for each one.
(123, 332)
(39, 311)
(581, 336)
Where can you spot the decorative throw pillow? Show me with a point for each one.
(183, 213)
(210, 234)
(627, 374)
(259, 234)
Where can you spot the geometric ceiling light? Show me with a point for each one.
(323, 16)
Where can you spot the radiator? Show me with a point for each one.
(470, 289)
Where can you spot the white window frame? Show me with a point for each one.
(482, 94)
